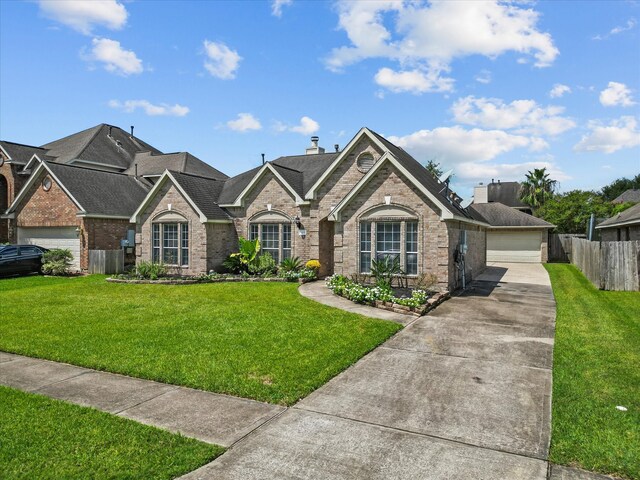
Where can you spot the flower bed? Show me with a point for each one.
(210, 278)
(418, 303)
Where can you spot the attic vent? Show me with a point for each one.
(365, 162)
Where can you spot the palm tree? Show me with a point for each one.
(537, 188)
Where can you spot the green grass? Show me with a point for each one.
(256, 340)
(44, 438)
(596, 368)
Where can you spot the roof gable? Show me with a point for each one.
(151, 164)
(18, 153)
(630, 216)
(499, 215)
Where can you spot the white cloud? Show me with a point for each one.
(244, 123)
(620, 133)
(83, 16)
(114, 57)
(483, 77)
(616, 94)
(427, 37)
(455, 145)
(276, 6)
(307, 126)
(222, 62)
(414, 81)
(523, 116)
(149, 108)
(482, 172)
(559, 90)
(631, 23)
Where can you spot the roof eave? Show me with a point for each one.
(624, 223)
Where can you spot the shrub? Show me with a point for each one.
(248, 251)
(313, 264)
(290, 264)
(57, 261)
(343, 286)
(150, 271)
(232, 264)
(384, 270)
(264, 265)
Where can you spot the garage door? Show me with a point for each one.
(516, 247)
(53, 237)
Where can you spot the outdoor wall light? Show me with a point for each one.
(297, 221)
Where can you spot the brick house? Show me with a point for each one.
(79, 192)
(621, 227)
(344, 208)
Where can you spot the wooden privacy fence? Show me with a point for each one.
(106, 261)
(608, 265)
(560, 246)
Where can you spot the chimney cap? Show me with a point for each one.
(315, 138)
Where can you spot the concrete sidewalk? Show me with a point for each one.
(210, 417)
(462, 393)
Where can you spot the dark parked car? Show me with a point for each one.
(20, 259)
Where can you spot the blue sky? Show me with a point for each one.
(489, 89)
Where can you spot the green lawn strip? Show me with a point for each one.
(256, 340)
(46, 438)
(596, 368)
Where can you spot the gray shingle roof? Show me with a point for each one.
(235, 185)
(204, 192)
(155, 164)
(293, 177)
(423, 176)
(499, 215)
(21, 154)
(97, 145)
(629, 216)
(311, 166)
(506, 193)
(99, 192)
(631, 195)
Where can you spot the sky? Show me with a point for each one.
(488, 89)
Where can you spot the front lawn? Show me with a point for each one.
(256, 340)
(596, 368)
(45, 438)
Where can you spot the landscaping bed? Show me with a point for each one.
(596, 376)
(259, 340)
(46, 438)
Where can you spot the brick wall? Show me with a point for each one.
(102, 234)
(222, 240)
(476, 256)
(197, 231)
(611, 234)
(10, 185)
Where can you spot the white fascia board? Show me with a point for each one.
(256, 178)
(522, 227)
(31, 182)
(34, 158)
(100, 215)
(624, 223)
(203, 217)
(6, 154)
(345, 152)
(219, 221)
(147, 200)
(96, 164)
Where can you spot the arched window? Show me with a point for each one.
(170, 239)
(389, 232)
(273, 229)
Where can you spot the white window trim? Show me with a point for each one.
(162, 247)
(281, 249)
(403, 242)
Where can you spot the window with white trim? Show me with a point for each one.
(275, 239)
(393, 239)
(170, 243)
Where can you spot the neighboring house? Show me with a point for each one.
(345, 208)
(621, 227)
(506, 193)
(80, 191)
(632, 196)
(513, 235)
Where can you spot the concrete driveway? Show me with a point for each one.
(463, 393)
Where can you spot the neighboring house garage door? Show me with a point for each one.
(516, 247)
(53, 237)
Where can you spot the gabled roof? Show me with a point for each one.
(103, 145)
(631, 216)
(631, 195)
(241, 185)
(311, 166)
(151, 164)
(18, 153)
(95, 192)
(201, 193)
(500, 216)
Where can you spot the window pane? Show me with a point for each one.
(170, 243)
(253, 231)
(388, 237)
(411, 246)
(155, 243)
(365, 247)
(271, 240)
(184, 244)
(286, 240)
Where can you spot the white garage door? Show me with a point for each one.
(516, 247)
(53, 237)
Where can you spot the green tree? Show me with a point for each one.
(434, 167)
(619, 186)
(570, 211)
(537, 188)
